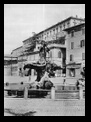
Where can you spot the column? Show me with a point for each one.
(31, 77)
(61, 72)
(53, 93)
(25, 92)
(80, 93)
(32, 72)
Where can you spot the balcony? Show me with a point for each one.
(56, 45)
(58, 42)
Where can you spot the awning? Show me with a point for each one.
(74, 66)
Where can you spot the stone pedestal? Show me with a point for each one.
(80, 93)
(53, 93)
(32, 72)
(25, 92)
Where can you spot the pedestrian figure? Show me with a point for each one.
(19, 71)
(64, 82)
(77, 85)
(80, 83)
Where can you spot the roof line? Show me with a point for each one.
(10, 57)
(74, 27)
(27, 39)
(17, 48)
(71, 17)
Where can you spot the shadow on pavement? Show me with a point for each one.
(10, 111)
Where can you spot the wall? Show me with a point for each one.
(36, 57)
(77, 73)
(77, 51)
(55, 57)
(33, 57)
(17, 51)
(11, 70)
(76, 22)
(50, 35)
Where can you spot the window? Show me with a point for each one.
(59, 54)
(64, 25)
(83, 56)
(72, 45)
(61, 28)
(83, 30)
(47, 34)
(82, 43)
(42, 36)
(72, 34)
(71, 57)
(74, 22)
(50, 32)
(29, 58)
(56, 30)
(53, 31)
(68, 24)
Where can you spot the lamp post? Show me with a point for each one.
(11, 65)
(44, 48)
(22, 62)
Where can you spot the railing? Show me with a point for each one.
(68, 92)
(56, 93)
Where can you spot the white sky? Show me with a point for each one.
(20, 20)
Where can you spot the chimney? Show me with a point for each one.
(33, 33)
(76, 16)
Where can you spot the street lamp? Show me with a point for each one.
(11, 65)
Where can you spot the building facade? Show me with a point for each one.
(52, 32)
(56, 32)
(75, 52)
(10, 65)
(17, 52)
(55, 36)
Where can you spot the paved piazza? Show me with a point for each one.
(43, 107)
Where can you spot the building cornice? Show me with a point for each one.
(59, 24)
(74, 27)
(17, 48)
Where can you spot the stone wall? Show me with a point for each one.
(8, 70)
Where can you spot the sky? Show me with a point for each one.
(20, 20)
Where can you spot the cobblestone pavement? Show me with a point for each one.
(43, 107)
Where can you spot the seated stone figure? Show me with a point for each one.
(45, 82)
